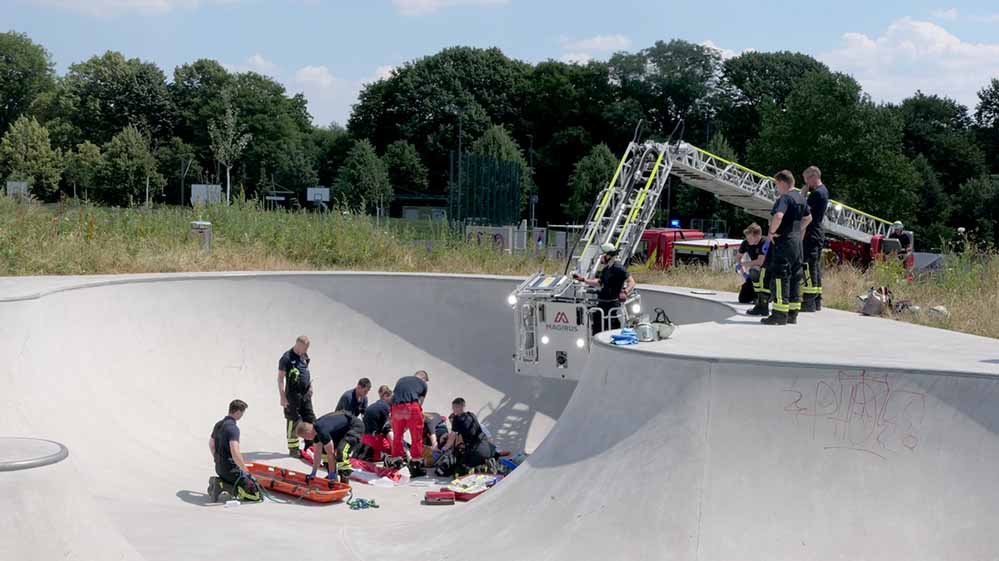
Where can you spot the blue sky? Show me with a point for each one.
(328, 48)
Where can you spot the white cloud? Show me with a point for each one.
(576, 58)
(913, 54)
(947, 15)
(424, 7)
(103, 8)
(598, 43)
(256, 63)
(382, 73)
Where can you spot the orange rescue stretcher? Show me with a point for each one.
(298, 484)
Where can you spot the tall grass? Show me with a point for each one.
(82, 239)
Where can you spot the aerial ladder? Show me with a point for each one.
(554, 315)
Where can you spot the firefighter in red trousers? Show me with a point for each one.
(407, 414)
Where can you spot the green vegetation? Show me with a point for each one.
(86, 239)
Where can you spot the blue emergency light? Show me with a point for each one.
(674, 223)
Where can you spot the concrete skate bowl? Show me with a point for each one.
(131, 373)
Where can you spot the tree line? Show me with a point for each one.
(112, 126)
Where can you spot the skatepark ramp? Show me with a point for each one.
(702, 447)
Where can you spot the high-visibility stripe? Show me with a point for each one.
(779, 305)
(642, 196)
(794, 306)
(605, 201)
(808, 276)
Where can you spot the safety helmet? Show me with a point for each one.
(609, 249)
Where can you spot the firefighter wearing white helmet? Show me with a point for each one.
(615, 285)
(898, 232)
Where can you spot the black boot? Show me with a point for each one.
(818, 303)
(792, 317)
(416, 468)
(762, 307)
(776, 318)
(808, 303)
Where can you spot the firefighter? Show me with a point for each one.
(813, 239)
(749, 260)
(407, 415)
(355, 400)
(335, 434)
(295, 388)
(790, 216)
(763, 281)
(232, 480)
(615, 285)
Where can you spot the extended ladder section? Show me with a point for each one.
(626, 205)
(756, 193)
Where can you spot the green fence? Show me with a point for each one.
(483, 190)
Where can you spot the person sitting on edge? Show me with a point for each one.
(472, 449)
(407, 415)
(377, 427)
(337, 433)
(355, 400)
(231, 479)
(749, 262)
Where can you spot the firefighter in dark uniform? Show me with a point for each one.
(295, 387)
(748, 262)
(814, 238)
(763, 281)
(790, 216)
(615, 285)
(231, 480)
(335, 434)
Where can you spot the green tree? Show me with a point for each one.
(83, 166)
(282, 149)
(113, 93)
(27, 155)
(590, 176)
(228, 139)
(856, 143)
(178, 162)
(363, 183)
(940, 129)
(330, 146)
(26, 71)
(756, 80)
(934, 211)
(496, 143)
(428, 101)
(987, 120)
(405, 168)
(978, 208)
(197, 94)
(128, 167)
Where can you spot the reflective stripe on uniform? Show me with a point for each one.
(292, 437)
(779, 305)
(761, 285)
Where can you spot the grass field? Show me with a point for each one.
(74, 240)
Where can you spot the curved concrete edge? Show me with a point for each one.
(814, 365)
(61, 454)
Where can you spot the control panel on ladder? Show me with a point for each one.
(555, 315)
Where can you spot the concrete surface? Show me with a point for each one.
(881, 442)
(27, 453)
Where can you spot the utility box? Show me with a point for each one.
(203, 232)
